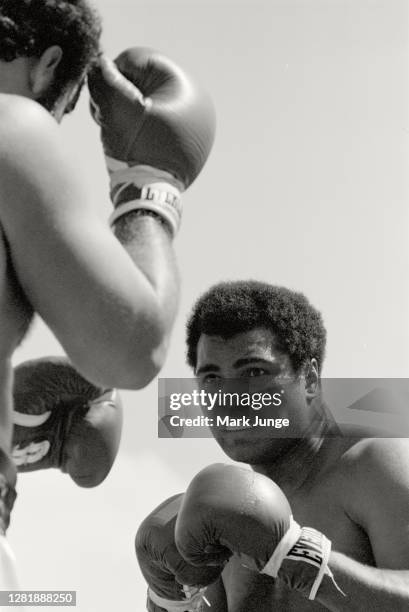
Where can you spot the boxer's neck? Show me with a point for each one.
(305, 459)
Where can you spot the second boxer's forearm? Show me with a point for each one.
(365, 587)
(148, 241)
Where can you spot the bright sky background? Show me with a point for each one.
(307, 186)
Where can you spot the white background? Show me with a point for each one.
(307, 187)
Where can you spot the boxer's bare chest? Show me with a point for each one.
(321, 507)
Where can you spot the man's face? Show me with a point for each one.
(250, 356)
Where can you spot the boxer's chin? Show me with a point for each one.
(240, 446)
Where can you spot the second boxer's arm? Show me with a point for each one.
(111, 316)
(147, 240)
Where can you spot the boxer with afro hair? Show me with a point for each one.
(227, 309)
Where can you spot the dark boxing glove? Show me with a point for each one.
(157, 130)
(63, 421)
(229, 509)
(163, 568)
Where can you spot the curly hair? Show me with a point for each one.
(29, 27)
(227, 309)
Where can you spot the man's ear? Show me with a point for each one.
(312, 379)
(43, 71)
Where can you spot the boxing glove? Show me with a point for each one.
(63, 421)
(163, 568)
(157, 130)
(228, 509)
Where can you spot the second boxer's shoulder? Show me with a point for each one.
(28, 134)
(35, 165)
(23, 116)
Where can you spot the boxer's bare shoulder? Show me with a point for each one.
(22, 121)
(24, 109)
(26, 128)
(40, 188)
(362, 467)
(379, 473)
(34, 166)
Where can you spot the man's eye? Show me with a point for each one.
(210, 378)
(252, 372)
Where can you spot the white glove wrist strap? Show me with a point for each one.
(305, 545)
(185, 605)
(144, 188)
(286, 543)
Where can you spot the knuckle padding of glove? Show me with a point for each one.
(43, 383)
(157, 131)
(172, 122)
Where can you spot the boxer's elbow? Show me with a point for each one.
(134, 371)
(138, 365)
(144, 355)
(125, 361)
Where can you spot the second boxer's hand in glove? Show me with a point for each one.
(157, 129)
